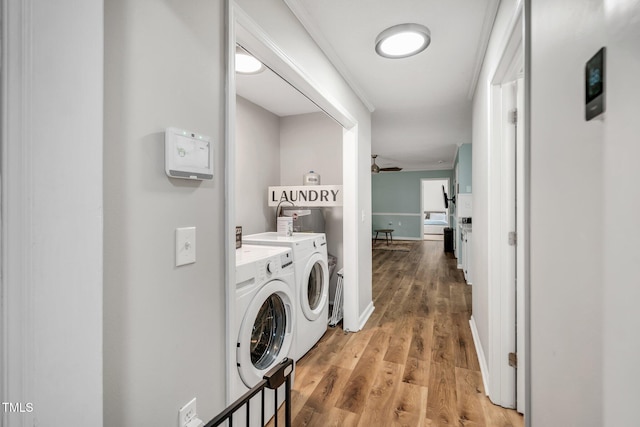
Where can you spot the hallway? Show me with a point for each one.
(414, 364)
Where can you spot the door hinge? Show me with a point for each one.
(513, 360)
(513, 238)
(513, 116)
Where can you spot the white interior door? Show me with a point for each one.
(508, 389)
(506, 218)
(507, 239)
(520, 252)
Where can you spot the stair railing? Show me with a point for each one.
(272, 380)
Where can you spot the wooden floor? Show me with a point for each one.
(414, 363)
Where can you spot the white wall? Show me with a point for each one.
(310, 142)
(164, 327)
(583, 350)
(257, 165)
(52, 212)
(432, 199)
(566, 256)
(480, 171)
(314, 142)
(287, 32)
(620, 252)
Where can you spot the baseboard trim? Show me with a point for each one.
(365, 316)
(484, 368)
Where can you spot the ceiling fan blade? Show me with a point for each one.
(392, 169)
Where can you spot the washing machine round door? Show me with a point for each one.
(314, 289)
(266, 332)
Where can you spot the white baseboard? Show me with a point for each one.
(365, 316)
(484, 368)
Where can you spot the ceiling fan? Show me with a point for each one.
(376, 169)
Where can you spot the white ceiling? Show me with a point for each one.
(421, 106)
(274, 94)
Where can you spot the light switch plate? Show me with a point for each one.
(185, 246)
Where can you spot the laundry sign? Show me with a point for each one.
(306, 195)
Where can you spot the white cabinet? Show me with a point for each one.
(458, 246)
(464, 213)
(463, 249)
(466, 253)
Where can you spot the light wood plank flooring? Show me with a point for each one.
(414, 363)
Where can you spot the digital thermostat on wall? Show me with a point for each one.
(594, 82)
(187, 155)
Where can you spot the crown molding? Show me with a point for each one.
(490, 15)
(307, 21)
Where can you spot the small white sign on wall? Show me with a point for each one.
(464, 205)
(306, 195)
(187, 155)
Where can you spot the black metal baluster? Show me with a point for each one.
(275, 405)
(262, 419)
(279, 375)
(248, 412)
(287, 402)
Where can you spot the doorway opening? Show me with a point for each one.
(435, 214)
(243, 31)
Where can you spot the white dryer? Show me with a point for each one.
(264, 323)
(312, 283)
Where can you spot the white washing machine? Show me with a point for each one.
(264, 323)
(312, 284)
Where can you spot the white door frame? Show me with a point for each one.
(241, 28)
(16, 176)
(503, 338)
(456, 231)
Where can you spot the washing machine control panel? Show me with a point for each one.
(286, 259)
(273, 265)
(267, 268)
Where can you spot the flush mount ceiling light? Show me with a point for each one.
(403, 40)
(247, 63)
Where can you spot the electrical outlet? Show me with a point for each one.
(399, 223)
(188, 415)
(390, 223)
